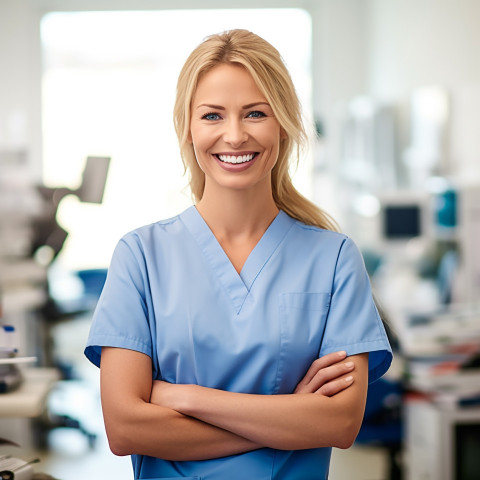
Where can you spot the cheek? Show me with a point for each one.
(271, 136)
(195, 151)
(271, 160)
(200, 139)
(274, 146)
(200, 158)
(196, 144)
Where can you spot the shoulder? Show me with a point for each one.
(336, 245)
(152, 232)
(313, 233)
(149, 241)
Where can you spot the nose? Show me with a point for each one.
(235, 133)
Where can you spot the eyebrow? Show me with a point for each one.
(245, 107)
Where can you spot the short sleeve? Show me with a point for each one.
(353, 322)
(121, 318)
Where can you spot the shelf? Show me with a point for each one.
(29, 400)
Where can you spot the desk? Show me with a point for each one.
(29, 400)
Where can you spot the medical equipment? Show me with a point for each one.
(47, 232)
(12, 468)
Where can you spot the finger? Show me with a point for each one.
(322, 362)
(324, 376)
(330, 373)
(317, 366)
(335, 386)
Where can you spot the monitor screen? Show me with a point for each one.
(467, 446)
(401, 221)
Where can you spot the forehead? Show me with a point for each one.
(227, 82)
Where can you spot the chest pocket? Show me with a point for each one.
(303, 317)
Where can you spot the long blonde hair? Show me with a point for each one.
(269, 72)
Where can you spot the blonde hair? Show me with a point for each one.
(269, 72)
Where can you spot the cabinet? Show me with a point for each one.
(443, 441)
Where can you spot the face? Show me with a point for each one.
(234, 132)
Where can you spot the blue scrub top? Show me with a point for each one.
(173, 294)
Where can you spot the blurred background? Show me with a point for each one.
(88, 152)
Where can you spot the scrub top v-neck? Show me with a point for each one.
(236, 284)
(173, 294)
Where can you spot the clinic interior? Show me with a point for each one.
(87, 152)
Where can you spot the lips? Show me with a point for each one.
(235, 158)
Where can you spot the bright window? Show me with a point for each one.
(108, 89)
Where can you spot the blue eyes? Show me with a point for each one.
(213, 117)
(256, 114)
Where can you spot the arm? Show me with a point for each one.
(308, 419)
(136, 426)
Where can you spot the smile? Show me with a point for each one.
(236, 159)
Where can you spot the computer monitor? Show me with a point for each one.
(402, 221)
(94, 179)
(403, 216)
(47, 232)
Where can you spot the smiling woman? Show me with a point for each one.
(224, 329)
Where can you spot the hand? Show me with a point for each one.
(328, 375)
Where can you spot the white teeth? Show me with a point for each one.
(233, 159)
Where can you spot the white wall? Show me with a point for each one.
(341, 52)
(19, 80)
(414, 43)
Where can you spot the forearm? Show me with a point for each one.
(286, 422)
(306, 419)
(136, 426)
(152, 430)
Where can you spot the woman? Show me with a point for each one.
(221, 333)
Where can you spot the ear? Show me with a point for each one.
(283, 134)
(189, 137)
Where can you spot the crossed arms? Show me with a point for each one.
(190, 422)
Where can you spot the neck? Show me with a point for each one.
(237, 213)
